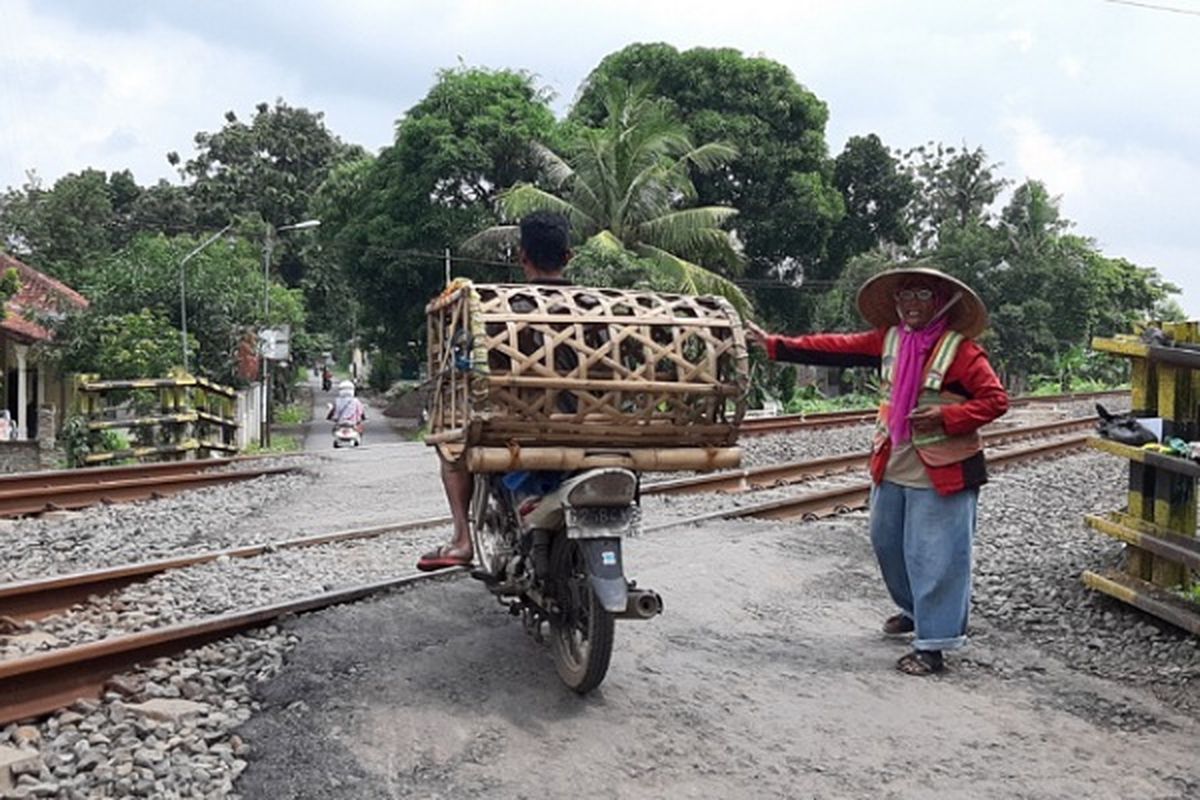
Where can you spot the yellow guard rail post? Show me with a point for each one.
(196, 417)
(1159, 525)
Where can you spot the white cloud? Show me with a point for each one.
(75, 99)
(1023, 39)
(1094, 99)
(1129, 197)
(1071, 66)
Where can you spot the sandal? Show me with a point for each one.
(898, 624)
(443, 557)
(921, 662)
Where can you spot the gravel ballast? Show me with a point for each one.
(1031, 548)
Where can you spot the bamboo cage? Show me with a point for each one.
(535, 376)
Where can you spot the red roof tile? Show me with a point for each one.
(39, 294)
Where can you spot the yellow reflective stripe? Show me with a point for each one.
(887, 362)
(937, 367)
(922, 441)
(943, 357)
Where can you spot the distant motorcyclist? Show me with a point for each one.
(326, 379)
(347, 409)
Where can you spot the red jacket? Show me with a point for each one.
(969, 375)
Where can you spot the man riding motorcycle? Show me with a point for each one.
(543, 254)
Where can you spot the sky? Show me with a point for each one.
(1097, 99)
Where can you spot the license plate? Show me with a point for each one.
(596, 522)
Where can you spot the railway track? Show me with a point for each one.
(24, 601)
(853, 495)
(29, 493)
(31, 685)
(773, 475)
(764, 426)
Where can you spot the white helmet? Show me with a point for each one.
(346, 389)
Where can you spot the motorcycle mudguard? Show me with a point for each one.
(605, 572)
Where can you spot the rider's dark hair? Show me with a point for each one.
(546, 240)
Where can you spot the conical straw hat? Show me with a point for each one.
(877, 300)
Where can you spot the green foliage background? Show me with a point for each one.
(802, 227)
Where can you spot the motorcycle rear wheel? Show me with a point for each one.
(581, 636)
(488, 529)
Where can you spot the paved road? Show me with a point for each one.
(317, 434)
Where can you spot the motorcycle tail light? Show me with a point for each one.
(609, 488)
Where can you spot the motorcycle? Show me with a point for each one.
(326, 382)
(554, 558)
(346, 434)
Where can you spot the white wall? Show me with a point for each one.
(249, 415)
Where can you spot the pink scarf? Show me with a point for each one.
(907, 373)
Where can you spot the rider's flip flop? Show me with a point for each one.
(442, 558)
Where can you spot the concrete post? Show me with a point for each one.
(22, 392)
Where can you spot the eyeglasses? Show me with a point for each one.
(924, 295)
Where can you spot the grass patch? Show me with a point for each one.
(809, 401)
(293, 414)
(279, 444)
(1192, 592)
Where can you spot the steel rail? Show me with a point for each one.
(762, 426)
(41, 597)
(38, 684)
(827, 502)
(22, 502)
(771, 475)
(37, 598)
(68, 477)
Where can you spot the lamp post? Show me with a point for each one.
(183, 289)
(268, 244)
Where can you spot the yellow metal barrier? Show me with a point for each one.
(196, 417)
(1159, 525)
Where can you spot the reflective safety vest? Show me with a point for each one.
(936, 448)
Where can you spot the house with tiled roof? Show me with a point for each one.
(33, 388)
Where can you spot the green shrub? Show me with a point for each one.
(79, 442)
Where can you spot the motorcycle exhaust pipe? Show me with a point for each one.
(643, 604)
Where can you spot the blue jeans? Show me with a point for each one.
(923, 543)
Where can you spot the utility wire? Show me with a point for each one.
(1156, 7)
(750, 283)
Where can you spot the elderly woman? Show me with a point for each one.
(937, 389)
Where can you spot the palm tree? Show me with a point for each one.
(627, 188)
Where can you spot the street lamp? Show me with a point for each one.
(183, 289)
(265, 425)
(270, 243)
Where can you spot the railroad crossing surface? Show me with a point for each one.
(765, 677)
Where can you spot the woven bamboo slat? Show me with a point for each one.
(578, 367)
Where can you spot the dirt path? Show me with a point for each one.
(763, 678)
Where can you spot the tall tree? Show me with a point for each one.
(333, 306)
(627, 186)
(781, 182)
(465, 141)
(955, 186)
(269, 166)
(876, 192)
(224, 301)
(63, 230)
